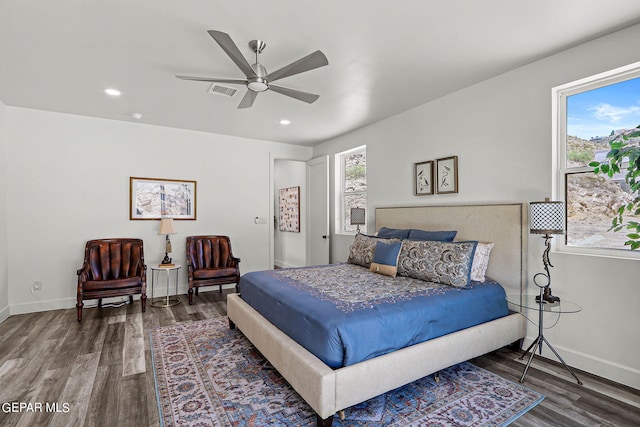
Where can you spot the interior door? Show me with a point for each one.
(318, 212)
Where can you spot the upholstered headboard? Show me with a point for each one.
(505, 225)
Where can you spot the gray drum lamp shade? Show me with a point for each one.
(546, 217)
(357, 216)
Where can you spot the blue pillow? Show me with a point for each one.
(363, 247)
(440, 236)
(393, 233)
(385, 258)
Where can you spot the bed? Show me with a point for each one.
(329, 386)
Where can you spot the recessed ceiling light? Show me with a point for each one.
(285, 122)
(137, 116)
(112, 92)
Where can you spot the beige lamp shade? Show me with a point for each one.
(166, 226)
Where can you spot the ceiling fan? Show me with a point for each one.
(257, 79)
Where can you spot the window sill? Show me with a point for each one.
(347, 233)
(600, 253)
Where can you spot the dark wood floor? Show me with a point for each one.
(99, 372)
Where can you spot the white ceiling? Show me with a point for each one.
(384, 58)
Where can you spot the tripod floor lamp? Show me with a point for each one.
(545, 218)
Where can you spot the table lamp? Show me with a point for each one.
(166, 228)
(546, 218)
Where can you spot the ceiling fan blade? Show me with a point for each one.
(214, 80)
(247, 100)
(307, 97)
(310, 62)
(225, 42)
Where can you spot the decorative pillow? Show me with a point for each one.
(440, 262)
(442, 236)
(393, 233)
(481, 261)
(363, 247)
(385, 258)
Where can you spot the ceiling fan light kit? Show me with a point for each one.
(257, 79)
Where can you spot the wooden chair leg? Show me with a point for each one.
(190, 296)
(79, 306)
(143, 301)
(99, 302)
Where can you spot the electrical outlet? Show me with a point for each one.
(37, 286)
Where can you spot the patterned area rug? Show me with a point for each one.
(209, 375)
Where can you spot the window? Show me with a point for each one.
(591, 113)
(351, 187)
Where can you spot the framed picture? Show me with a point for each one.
(289, 209)
(447, 175)
(423, 178)
(154, 198)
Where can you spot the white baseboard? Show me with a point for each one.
(281, 264)
(42, 305)
(5, 313)
(67, 303)
(603, 368)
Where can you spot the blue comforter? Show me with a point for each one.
(345, 314)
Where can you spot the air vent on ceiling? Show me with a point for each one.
(222, 90)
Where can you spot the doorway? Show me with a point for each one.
(309, 246)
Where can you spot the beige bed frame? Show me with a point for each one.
(328, 390)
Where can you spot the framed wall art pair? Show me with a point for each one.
(436, 176)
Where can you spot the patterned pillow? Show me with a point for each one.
(363, 247)
(481, 261)
(440, 262)
(385, 258)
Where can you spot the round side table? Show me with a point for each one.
(166, 301)
(530, 302)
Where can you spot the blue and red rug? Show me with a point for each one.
(209, 375)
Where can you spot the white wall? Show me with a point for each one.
(4, 278)
(501, 131)
(69, 180)
(290, 249)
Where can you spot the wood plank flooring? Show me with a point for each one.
(98, 372)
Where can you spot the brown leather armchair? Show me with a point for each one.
(111, 268)
(211, 262)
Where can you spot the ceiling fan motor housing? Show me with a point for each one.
(258, 84)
